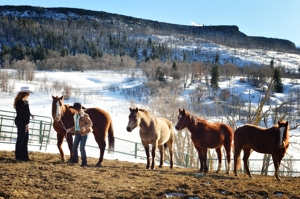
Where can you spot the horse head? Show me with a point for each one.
(134, 119)
(57, 107)
(183, 119)
(283, 128)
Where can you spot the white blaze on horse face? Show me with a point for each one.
(57, 110)
(179, 119)
(281, 129)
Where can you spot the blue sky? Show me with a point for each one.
(268, 18)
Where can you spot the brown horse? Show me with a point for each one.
(154, 131)
(207, 135)
(63, 119)
(274, 140)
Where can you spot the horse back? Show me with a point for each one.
(261, 140)
(99, 117)
(211, 135)
(166, 130)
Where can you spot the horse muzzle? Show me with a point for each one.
(281, 145)
(129, 129)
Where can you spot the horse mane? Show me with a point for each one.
(143, 110)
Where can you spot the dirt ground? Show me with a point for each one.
(46, 177)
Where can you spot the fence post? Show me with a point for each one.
(186, 160)
(1, 124)
(135, 151)
(40, 137)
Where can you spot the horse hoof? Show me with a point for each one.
(98, 165)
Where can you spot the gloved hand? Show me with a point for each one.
(82, 129)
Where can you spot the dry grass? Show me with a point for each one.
(45, 177)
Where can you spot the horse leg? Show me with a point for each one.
(60, 139)
(245, 159)
(102, 146)
(227, 147)
(170, 146)
(146, 146)
(219, 153)
(276, 160)
(200, 159)
(237, 159)
(70, 145)
(153, 157)
(161, 152)
(204, 159)
(100, 139)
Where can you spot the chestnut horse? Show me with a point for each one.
(274, 140)
(63, 119)
(207, 135)
(155, 131)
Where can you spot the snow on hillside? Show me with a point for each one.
(99, 82)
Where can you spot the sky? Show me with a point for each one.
(267, 18)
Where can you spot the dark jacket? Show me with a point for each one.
(23, 112)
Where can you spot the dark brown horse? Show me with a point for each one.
(155, 131)
(63, 119)
(207, 135)
(274, 140)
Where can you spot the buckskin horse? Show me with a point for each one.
(274, 140)
(155, 131)
(207, 135)
(63, 119)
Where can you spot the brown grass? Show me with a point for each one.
(45, 177)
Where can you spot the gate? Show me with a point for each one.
(39, 129)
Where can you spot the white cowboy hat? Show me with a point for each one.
(25, 89)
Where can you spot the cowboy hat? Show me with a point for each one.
(78, 106)
(25, 89)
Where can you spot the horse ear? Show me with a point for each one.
(53, 97)
(136, 109)
(180, 110)
(62, 97)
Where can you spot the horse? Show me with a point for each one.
(155, 131)
(274, 140)
(63, 119)
(207, 135)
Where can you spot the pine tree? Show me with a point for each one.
(277, 80)
(215, 77)
(174, 66)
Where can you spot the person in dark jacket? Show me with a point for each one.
(22, 121)
(83, 126)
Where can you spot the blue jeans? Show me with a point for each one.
(82, 139)
(21, 151)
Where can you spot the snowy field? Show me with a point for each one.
(111, 101)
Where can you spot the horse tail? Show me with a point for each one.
(111, 138)
(238, 162)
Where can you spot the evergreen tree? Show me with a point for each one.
(272, 64)
(174, 66)
(277, 80)
(215, 77)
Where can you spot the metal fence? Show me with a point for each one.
(39, 129)
(42, 135)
